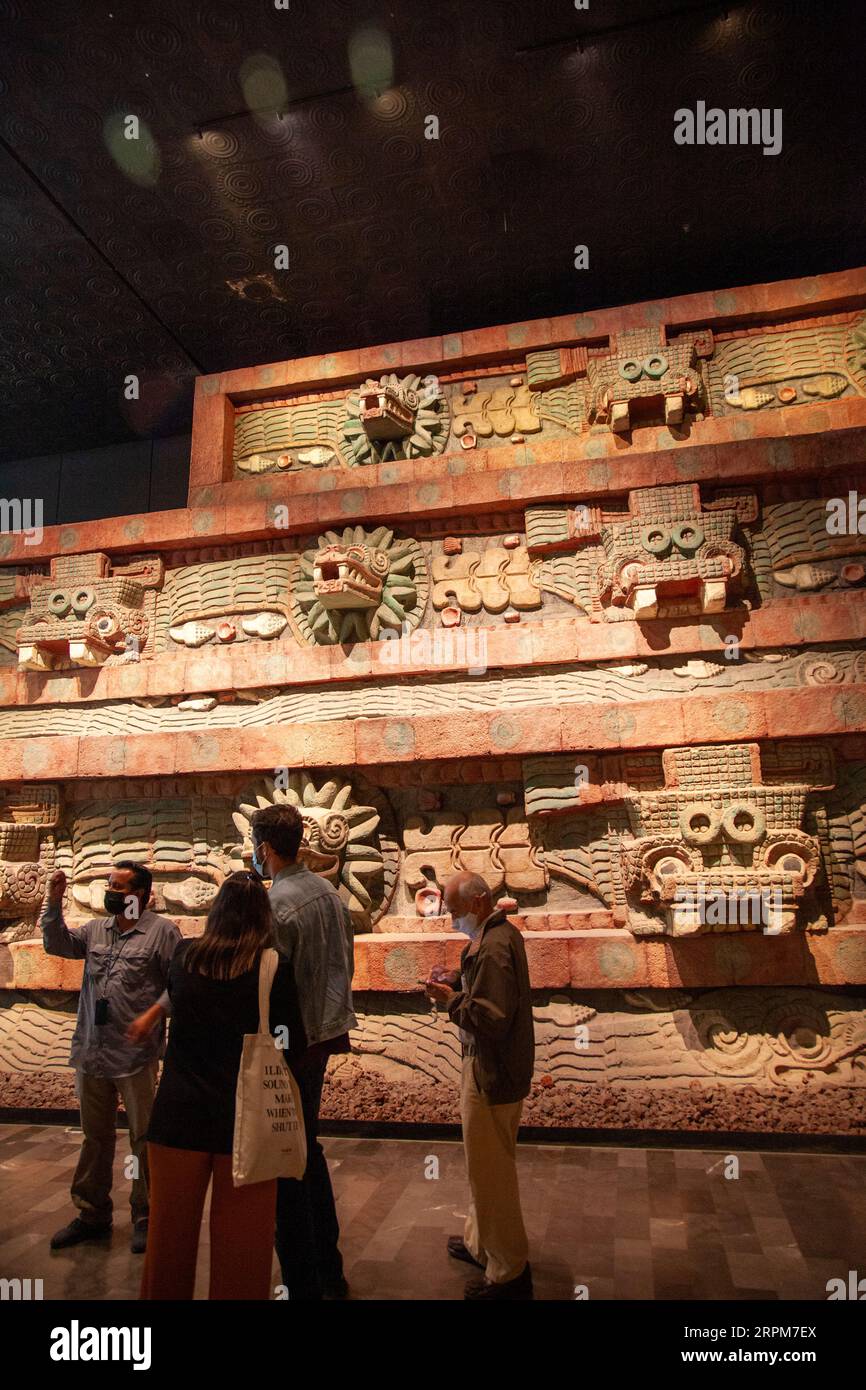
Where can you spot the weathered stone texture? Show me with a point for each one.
(579, 605)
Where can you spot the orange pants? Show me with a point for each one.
(241, 1227)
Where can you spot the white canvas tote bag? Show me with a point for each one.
(269, 1138)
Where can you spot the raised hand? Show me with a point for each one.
(56, 887)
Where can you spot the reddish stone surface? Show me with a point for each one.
(352, 1093)
(470, 760)
(565, 951)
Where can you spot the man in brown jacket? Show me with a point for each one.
(490, 1003)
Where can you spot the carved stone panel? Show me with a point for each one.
(29, 815)
(358, 586)
(87, 610)
(347, 841)
(725, 837)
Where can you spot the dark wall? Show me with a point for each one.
(145, 475)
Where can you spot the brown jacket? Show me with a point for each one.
(494, 1008)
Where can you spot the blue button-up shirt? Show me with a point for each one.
(313, 929)
(126, 966)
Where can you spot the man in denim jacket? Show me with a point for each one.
(313, 929)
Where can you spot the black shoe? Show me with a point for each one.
(76, 1232)
(458, 1251)
(336, 1290)
(514, 1289)
(138, 1244)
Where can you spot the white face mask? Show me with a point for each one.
(467, 924)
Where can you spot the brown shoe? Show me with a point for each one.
(458, 1251)
(514, 1289)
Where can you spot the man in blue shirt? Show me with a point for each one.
(126, 958)
(313, 929)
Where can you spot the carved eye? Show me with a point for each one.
(687, 537)
(105, 624)
(699, 823)
(789, 855)
(378, 562)
(792, 864)
(663, 866)
(82, 600)
(744, 824)
(655, 365)
(629, 574)
(669, 868)
(59, 603)
(631, 369)
(656, 539)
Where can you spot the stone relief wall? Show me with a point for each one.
(662, 1059)
(743, 822)
(778, 1037)
(611, 683)
(637, 376)
(579, 621)
(669, 552)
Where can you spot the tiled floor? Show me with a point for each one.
(627, 1223)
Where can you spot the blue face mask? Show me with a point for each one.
(258, 865)
(467, 923)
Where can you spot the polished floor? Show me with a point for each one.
(623, 1223)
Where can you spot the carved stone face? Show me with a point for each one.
(349, 576)
(388, 412)
(357, 585)
(393, 417)
(734, 859)
(83, 613)
(83, 623)
(638, 369)
(691, 561)
(342, 841)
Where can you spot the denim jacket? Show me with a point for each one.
(313, 930)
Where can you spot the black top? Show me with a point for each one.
(195, 1103)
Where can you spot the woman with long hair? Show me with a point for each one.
(213, 985)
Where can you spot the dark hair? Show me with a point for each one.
(142, 878)
(237, 930)
(281, 826)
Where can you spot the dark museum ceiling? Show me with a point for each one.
(161, 262)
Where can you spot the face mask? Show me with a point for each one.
(259, 865)
(114, 902)
(467, 924)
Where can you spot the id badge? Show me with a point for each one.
(101, 1013)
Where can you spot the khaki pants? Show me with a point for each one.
(97, 1099)
(494, 1229)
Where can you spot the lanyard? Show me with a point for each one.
(111, 956)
